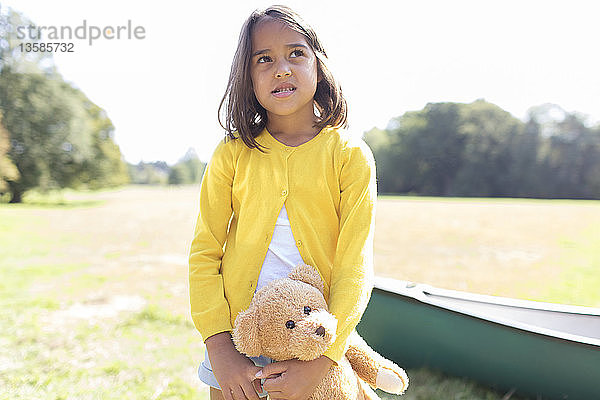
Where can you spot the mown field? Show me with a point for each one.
(545, 250)
(93, 295)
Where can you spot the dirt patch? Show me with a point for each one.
(95, 309)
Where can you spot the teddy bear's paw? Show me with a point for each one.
(392, 381)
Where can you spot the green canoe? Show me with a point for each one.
(546, 350)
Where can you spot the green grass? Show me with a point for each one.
(45, 353)
(544, 250)
(60, 198)
(51, 271)
(18, 234)
(426, 384)
(581, 269)
(26, 250)
(16, 280)
(141, 359)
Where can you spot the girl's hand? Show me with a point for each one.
(294, 379)
(234, 371)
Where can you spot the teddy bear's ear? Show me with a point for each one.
(307, 274)
(245, 332)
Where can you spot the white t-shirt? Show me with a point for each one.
(282, 254)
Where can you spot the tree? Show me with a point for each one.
(524, 167)
(178, 175)
(38, 128)
(188, 169)
(571, 159)
(51, 136)
(478, 149)
(439, 147)
(11, 54)
(380, 142)
(155, 173)
(421, 151)
(59, 138)
(487, 133)
(8, 171)
(106, 167)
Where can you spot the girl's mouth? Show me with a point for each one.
(283, 91)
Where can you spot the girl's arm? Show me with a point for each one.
(209, 307)
(294, 379)
(352, 272)
(234, 371)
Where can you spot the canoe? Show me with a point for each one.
(543, 350)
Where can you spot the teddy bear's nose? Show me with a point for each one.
(320, 331)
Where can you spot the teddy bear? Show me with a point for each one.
(288, 319)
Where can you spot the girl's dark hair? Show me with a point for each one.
(240, 111)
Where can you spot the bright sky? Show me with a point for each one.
(162, 92)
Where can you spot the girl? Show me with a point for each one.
(288, 185)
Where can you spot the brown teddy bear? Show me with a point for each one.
(288, 319)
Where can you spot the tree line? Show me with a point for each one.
(188, 169)
(478, 149)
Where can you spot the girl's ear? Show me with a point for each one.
(245, 333)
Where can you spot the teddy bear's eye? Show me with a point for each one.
(307, 310)
(290, 324)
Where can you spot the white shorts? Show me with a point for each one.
(206, 375)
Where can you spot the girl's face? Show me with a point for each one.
(283, 68)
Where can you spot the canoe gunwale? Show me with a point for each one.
(423, 294)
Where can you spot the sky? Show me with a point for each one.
(162, 91)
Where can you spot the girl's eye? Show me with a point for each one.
(290, 324)
(263, 59)
(297, 53)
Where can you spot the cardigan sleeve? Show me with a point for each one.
(209, 307)
(352, 272)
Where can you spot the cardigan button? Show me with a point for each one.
(299, 243)
(284, 192)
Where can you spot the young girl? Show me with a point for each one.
(288, 185)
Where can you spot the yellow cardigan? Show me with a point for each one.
(329, 190)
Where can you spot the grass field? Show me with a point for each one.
(545, 250)
(94, 304)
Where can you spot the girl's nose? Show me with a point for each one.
(281, 74)
(283, 70)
